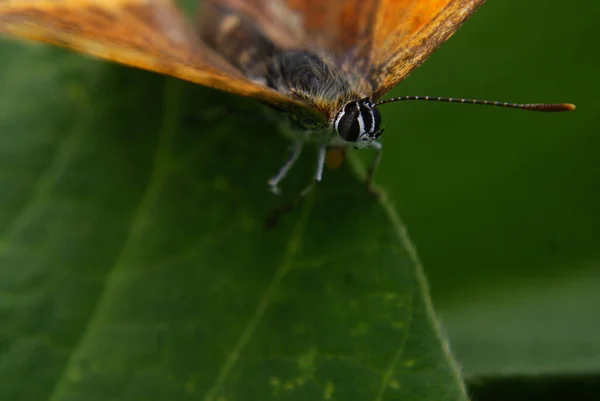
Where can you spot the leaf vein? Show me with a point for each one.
(423, 289)
(263, 304)
(46, 180)
(387, 374)
(146, 201)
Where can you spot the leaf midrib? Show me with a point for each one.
(291, 250)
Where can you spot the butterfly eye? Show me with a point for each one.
(358, 121)
(347, 122)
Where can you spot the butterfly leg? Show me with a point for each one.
(274, 216)
(371, 171)
(291, 160)
(321, 156)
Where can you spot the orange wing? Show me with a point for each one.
(148, 34)
(383, 40)
(339, 29)
(407, 32)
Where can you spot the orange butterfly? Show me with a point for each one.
(325, 63)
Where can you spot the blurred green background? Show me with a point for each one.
(503, 205)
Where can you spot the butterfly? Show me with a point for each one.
(325, 65)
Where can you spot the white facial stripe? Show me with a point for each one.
(361, 123)
(338, 119)
(372, 120)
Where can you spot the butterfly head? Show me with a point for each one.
(358, 123)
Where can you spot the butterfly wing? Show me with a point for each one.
(407, 32)
(382, 40)
(148, 34)
(337, 29)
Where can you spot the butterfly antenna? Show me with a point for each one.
(547, 107)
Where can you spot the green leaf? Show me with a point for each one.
(135, 264)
